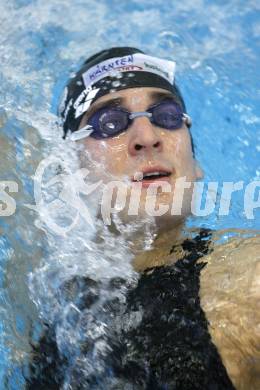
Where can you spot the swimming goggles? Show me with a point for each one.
(111, 121)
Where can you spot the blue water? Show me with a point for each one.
(216, 47)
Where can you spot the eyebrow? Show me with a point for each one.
(155, 97)
(98, 106)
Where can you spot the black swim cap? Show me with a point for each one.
(113, 70)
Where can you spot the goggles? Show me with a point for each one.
(111, 121)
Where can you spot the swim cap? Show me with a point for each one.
(113, 70)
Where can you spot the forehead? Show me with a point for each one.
(142, 94)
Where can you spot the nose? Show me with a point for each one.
(143, 137)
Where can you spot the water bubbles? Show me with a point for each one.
(138, 176)
(170, 39)
(116, 84)
(196, 65)
(42, 60)
(210, 76)
(115, 74)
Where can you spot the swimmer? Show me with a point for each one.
(125, 110)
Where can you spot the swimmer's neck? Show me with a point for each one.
(149, 243)
(159, 252)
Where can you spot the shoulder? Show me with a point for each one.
(230, 297)
(233, 266)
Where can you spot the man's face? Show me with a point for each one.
(142, 149)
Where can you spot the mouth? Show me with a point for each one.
(152, 175)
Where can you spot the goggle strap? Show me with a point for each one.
(187, 120)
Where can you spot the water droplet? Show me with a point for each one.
(196, 65)
(116, 83)
(169, 39)
(115, 74)
(138, 176)
(210, 76)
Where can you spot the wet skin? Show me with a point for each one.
(145, 146)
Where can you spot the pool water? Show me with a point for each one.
(216, 47)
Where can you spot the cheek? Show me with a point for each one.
(179, 143)
(179, 147)
(110, 155)
(96, 150)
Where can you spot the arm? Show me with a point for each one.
(230, 297)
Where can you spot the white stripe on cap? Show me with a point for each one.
(130, 63)
(84, 101)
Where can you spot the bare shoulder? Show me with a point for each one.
(230, 297)
(233, 266)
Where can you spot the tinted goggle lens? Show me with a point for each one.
(168, 115)
(111, 121)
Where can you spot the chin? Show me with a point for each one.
(136, 206)
(155, 212)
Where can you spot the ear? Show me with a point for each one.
(198, 171)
